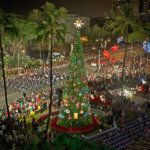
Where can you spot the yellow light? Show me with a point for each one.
(84, 39)
(23, 51)
(75, 115)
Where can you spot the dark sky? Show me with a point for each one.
(90, 8)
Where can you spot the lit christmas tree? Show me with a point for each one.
(75, 107)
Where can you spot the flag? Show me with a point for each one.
(106, 54)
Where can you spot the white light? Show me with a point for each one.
(78, 23)
(143, 81)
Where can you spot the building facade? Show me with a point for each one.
(140, 7)
(118, 4)
(144, 10)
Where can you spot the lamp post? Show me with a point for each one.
(99, 57)
(18, 63)
(101, 42)
(23, 52)
(140, 62)
(99, 60)
(147, 60)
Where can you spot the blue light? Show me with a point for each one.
(119, 40)
(146, 46)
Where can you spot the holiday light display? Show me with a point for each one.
(75, 108)
(146, 46)
(106, 54)
(114, 48)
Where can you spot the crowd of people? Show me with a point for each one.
(33, 79)
(109, 78)
(21, 111)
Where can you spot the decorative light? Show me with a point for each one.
(78, 23)
(84, 39)
(146, 46)
(81, 111)
(143, 81)
(109, 40)
(114, 48)
(75, 115)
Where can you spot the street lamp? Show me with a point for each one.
(99, 60)
(101, 42)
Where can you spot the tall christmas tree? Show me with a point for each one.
(75, 107)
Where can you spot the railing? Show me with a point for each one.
(92, 137)
(97, 111)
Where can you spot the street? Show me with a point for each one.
(12, 95)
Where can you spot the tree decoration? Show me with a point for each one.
(74, 59)
(61, 116)
(85, 105)
(69, 117)
(75, 115)
(81, 111)
(67, 111)
(78, 25)
(86, 114)
(80, 93)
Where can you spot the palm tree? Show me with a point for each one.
(25, 33)
(35, 16)
(94, 34)
(51, 27)
(6, 27)
(125, 24)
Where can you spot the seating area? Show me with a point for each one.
(131, 132)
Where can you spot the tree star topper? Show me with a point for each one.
(78, 23)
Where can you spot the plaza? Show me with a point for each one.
(73, 78)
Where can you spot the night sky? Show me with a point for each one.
(89, 8)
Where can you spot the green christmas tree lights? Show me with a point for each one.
(75, 107)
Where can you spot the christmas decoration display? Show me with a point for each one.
(57, 127)
(86, 128)
(46, 115)
(106, 54)
(75, 107)
(146, 46)
(119, 40)
(114, 48)
(74, 115)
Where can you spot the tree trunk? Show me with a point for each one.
(123, 68)
(18, 57)
(51, 78)
(4, 79)
(41, 52)
(48, 56)
(5, 51)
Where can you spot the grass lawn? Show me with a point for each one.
(36, 116)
